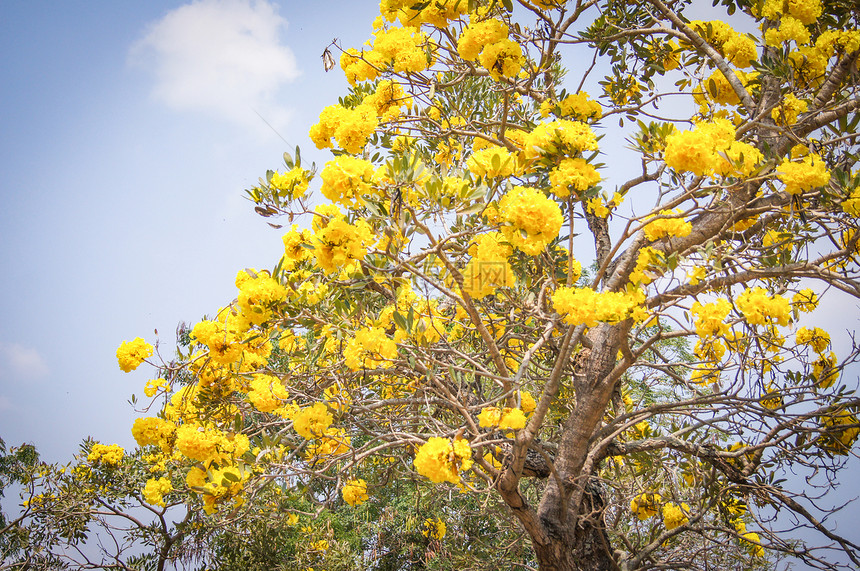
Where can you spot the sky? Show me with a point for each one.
(129, 133)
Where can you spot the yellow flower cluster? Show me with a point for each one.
(824, 370)
(492, 162)
(131, 354)
(600, 207)
(267, 393)
(224, 346)
(489, 268)
(369, 348)
(349, 127)
(334, 441)
(560, 137)
(295, 251)
(816, 338)
(106, 454)
(360, 66)
(710, 318)
(530, 219)
(645, 505)
(152, 430)
(478, 35)
(786, 112)
(737, 48)
(667, 227)
(806, 11)
(719, 89)
(751, 543)
(506, 418)
(809, 173)
(259, 295)
(502, 59)
(217, 484)
(354, 492)
(337, 243)
(346, 179)
(434, 528)
(436, 13)
(154, 491)
(843, 429)
(675, 515)
(292, 184)
(388, 100)
(209, 444)
(790, 29)
(573, 173)
(759, 308)
(697, 151)
(588, 307)
(805, 300)
(578, 105)
(402, 49)
(313, 421)
(154, 385)
(442, 459)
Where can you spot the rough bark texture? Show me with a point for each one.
(570, 515)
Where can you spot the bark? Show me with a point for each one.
(567, 530)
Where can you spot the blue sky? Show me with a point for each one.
(129, 132)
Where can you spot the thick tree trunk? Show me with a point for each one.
(581, 543)
(570, 516)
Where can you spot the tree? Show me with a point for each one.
(438, 333)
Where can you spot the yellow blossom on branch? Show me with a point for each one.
(132, 353)
(442, 459)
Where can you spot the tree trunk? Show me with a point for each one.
(570, 514)
(581, 542)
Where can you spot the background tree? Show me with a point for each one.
(431, 339)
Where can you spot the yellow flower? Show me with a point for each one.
(710, 318)
(152, 430)
(668, 227)
(154, 491)
(506, 419)
(106, 454)
(434, 528)
(531, 219)
(816, 338)
(355, 492)
(442, 460)
(805, 300)
(573, 173)
(154, 385)
(479, 34)
(292, 184)
(132, 353)
(674, 515)
(751, 541)
(369, 348)
(312, 421)
(645, 505)
(809, 173)
(759, 308)
(346, 180)
(503, 58)
(842, 431)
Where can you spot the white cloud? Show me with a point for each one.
(23, 362)
(224, 57)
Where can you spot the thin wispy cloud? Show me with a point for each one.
(222, 57)
(23, 363)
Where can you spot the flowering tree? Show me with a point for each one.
(483, 301)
